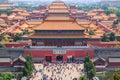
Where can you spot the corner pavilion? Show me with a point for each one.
(57, 36)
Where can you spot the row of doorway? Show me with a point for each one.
(58, 58)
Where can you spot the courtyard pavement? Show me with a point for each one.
(57, 71)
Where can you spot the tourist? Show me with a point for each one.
(58, 71)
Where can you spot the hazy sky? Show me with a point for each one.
(66, 1)
(57, 0)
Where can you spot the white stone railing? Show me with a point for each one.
(45, 47)
(54, 47)
(74, 47)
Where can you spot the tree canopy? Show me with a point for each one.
(108, 37)
(112, 36)
(8, 11)
(6, 39)
(115, 76)
(6, 76)
(89, 67)
(104, 38)
(1, 37)
(25, 32)
(29, 66)
(79, 7)
(17, 37)
(91, 32)
(82, 78)
(115, 24)
(115, 11)
(2, 46)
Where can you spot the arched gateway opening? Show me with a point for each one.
(59, 58)
(48, 58)
(70, 59)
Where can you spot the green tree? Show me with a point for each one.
(89, 67)
(104, 38)
(1, 37)
(6, 76)
(116, 75)
(105, 6)
(87, 59)
(91, 73)
(114, 26)
(115, 23)
(118, 12)
(91, 32)
(6, 39)
(17, 37)
(112, 36)
(115, 11)
(29, 66)
(79, 7)
(2, 46)
(6, 11)
(25, 32)
(109, 11)
(82, 78)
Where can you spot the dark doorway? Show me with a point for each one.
(48, 58)
(59, 58)
(70, 59)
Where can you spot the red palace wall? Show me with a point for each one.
(114, 64)
(5, 64)
(15, 45)
(74, 53)
(99, 64)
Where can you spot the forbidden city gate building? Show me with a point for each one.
(54, 38)
(59, 37)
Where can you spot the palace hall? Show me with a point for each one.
(58, 35)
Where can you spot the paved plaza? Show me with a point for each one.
(57, 71)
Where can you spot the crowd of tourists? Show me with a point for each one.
(58, 71)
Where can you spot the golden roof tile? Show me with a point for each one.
(58, 36)
(113, 15)
(61, 25)
(3, 15)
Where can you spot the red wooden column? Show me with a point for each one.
(44, 43)
(73, 42)
(53, 42)
(64, 43)
(86, 42)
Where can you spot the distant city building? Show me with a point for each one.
(6, 6)
(115, 3)
(4, 1)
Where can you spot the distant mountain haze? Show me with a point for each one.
(4, 1)
(61, 0)
(66, 1)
